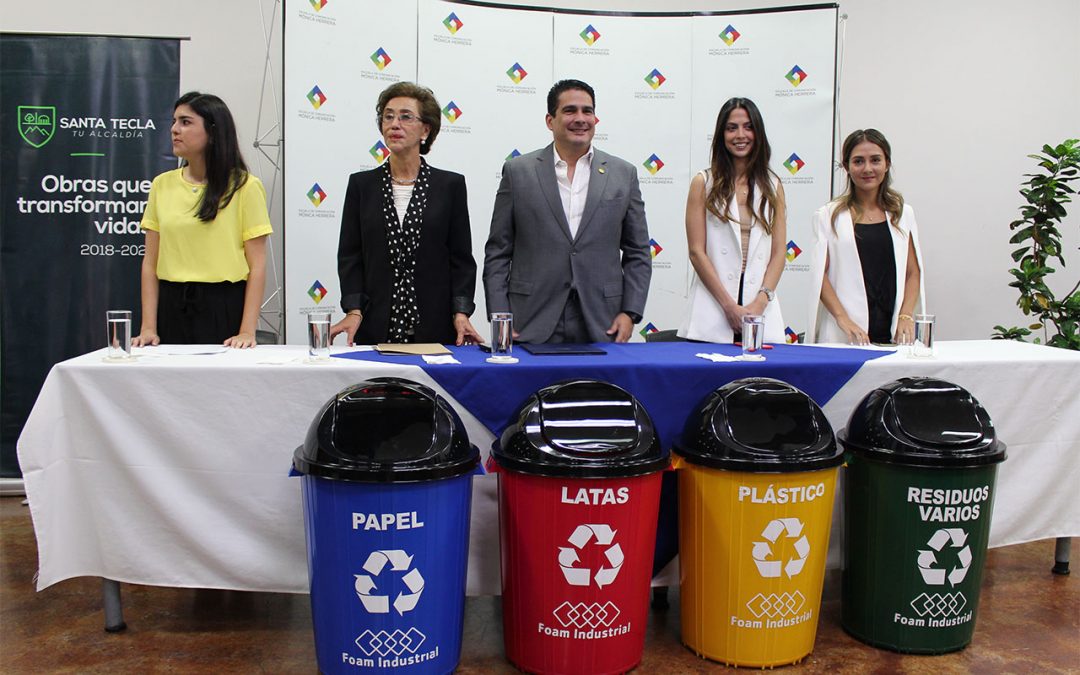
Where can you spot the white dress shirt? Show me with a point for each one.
(573, 194)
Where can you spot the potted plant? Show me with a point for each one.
(1039, 242)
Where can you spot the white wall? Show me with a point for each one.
(964, 90)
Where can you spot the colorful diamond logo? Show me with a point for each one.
(317, 292)
(317, 5)
(316, 194)
(796, 76)
(380, 58)
(516, 73)
(655, 79)
(647, 329)
(316, 97)
(793, 250)
(513, 153)
(790, 336)
(729, 35)
(453, 23)
(794, 163)
(380, 152)
(452, 112)
(653, 164)
(590, 35)
(655, 247)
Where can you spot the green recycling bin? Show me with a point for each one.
(922, 458)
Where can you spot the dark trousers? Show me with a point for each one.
(193, 313)
(571, 327)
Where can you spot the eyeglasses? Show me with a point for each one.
(405, 117)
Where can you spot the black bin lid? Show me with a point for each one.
(386, 430)
(759, 425)
(581, 429)
(923, 421)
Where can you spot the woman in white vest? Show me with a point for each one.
(736, 231)
(867, 265)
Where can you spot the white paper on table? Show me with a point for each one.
(194, 350)
(439, 359)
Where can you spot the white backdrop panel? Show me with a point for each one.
(755, 56)
(495, 69)
(641, 71)
(338, 49)
(659, 83)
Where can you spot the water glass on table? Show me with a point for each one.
(118, 334)
(753, 337)
(923, 342)
(319, 336)
(502, 338)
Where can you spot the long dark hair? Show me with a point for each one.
(890, 201)
(759, 176)
(225, 169)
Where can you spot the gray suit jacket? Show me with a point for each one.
(531, 262)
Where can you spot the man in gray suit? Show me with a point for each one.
(563, 215)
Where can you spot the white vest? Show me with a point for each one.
(845, 272)
(705, 319)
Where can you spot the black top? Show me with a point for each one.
(875, 245)
(445, 268)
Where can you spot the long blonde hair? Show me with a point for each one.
(890, 201)
(722, 168)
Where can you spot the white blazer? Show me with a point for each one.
(705, 319)
(845, 271)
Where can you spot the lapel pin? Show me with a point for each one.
(602, 169)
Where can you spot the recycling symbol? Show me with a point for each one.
(581, 576)
(366, 588)
(933, 576)
(793, 528)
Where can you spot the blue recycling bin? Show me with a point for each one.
(387, 485)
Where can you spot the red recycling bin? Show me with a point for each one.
(577, 522)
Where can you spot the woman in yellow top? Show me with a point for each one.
(206, 226)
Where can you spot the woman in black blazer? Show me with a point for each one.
(405, 252)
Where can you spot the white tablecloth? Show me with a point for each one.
(173, 470)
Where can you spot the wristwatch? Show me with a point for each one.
(769, 293)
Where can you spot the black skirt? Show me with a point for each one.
(194, 313)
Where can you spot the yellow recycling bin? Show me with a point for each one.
(758, 465)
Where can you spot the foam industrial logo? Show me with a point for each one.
(380, 152)
(653, 164)
(316, 194)
(655, 79)
(317, 292)
(729, 35)
(793, 251)
(516, 73)
(793, 164)
(452, 112)
(37, 124)
(590, 35)
(796, 76)
(453, 23)
(380, 58)
(316, 97)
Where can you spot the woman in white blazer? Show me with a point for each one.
(736, 231)
(867, 265)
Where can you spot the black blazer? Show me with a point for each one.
(445, 269)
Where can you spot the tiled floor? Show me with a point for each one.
(1028, 621)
